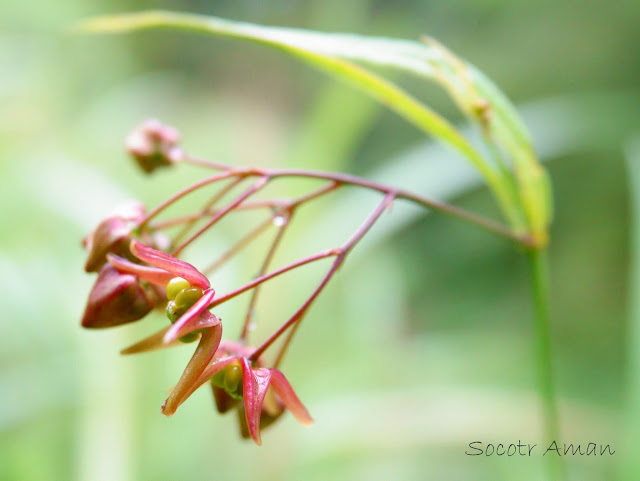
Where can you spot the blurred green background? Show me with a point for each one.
(421, 345)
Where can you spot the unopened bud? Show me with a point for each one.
(117, 299)
(153, 144)
(229, 379)
(112, 235)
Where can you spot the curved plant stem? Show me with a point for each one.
(346, 179)
(245, 206)
(540, 285)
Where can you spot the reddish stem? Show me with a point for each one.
(210, 164)
(488, 224)
(315, 194)
(341, 255)
(271, 275)
(263, 269)
(260, 204)
(274, 246)
(213, 201)
(238, 246)
(232, 205)
(184, 192)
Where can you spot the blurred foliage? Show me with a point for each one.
(422, 344)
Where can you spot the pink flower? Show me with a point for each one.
(234, 378)
(188, 290)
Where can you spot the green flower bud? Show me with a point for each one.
(174, 312)
(188, 297)
(218, 379)
(232, 377)
(229, 379)
(176, 285)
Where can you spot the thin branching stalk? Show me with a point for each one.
(222, 213)
(256, 282)
(238, 246)
(263, 269)
(274, 246)
(340, 257)
(184, 192)
(346, 179)
(213, 201)
(245, 206)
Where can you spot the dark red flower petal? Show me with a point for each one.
(116, 299)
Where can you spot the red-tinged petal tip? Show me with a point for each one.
(255, 383)
(288, 396)
(266, 420)
(169, 263)
(196, 317)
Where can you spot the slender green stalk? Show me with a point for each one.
(630, 466)
(540, 285)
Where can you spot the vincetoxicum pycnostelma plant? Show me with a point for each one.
(138, 261)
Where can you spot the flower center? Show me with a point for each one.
(181, 297)
(230, 379)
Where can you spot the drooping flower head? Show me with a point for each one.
(153, 144)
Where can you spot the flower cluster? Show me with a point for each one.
(136, 276)
(139, 270)
(121, 294)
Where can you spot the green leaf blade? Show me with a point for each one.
(334, 53)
